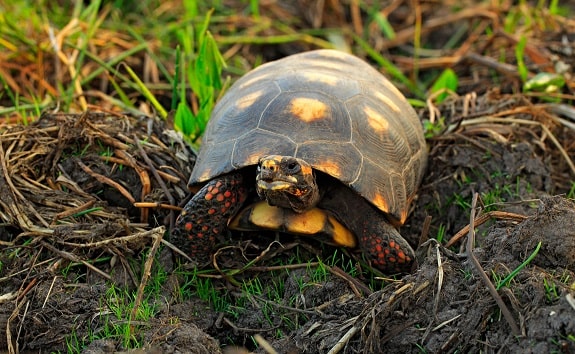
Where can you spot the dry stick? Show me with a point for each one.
(115, 240)
(13, 316)
(353, 282)
(105, 180)
(440, 275)
(69, 256)
(469, 248)
(424, 236)
(146, 275)
(157, 178)
(71, 211)
(500, 215)
(497, 119)
(119, 161)
(265, 344)
(9, 192)
(157, 205)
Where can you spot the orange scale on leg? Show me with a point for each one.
(401, 256)
(220, 197)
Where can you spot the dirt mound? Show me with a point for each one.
(72, 239)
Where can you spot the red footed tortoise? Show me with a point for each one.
(318, 143)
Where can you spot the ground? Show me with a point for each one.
(87, 201)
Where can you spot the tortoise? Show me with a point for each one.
(317, 143)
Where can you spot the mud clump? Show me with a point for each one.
(554, 227)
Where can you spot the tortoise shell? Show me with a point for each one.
(329, 108)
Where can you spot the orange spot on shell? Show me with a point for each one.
(380, 202)
(387, 101)
(376, 121)
(249, 100)
(331, 80)
(308, 109)
(332, 168)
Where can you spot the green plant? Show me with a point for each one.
(440, 233)
(118, 321)
(551, 292)
(512, 275)
(203, 74)
(435, 128)
(446, 82)
(519, 54)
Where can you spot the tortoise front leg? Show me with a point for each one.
(383, 245)
(207, 214)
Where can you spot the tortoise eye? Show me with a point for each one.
(293, 166)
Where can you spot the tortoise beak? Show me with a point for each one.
(271, 177)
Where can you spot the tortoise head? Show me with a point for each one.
(287, 182)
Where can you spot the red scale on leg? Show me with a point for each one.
(384, 246)
(206, 214)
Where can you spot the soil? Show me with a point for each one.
(445, 305)
(86, 202)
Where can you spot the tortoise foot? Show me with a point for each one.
(206, 215)
(387, 250)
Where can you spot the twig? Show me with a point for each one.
(69, 256)
(494, 119)
(469, 248)
(146, 274)
(438, 295)
(499, 215)
(353, 283)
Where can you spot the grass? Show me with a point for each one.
(176, 60)
(114, 321)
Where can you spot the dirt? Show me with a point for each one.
(443, 306)
(71, 235)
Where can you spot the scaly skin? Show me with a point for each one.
(383, 246)
(282, 183)
(206, 215)
(380, 241)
